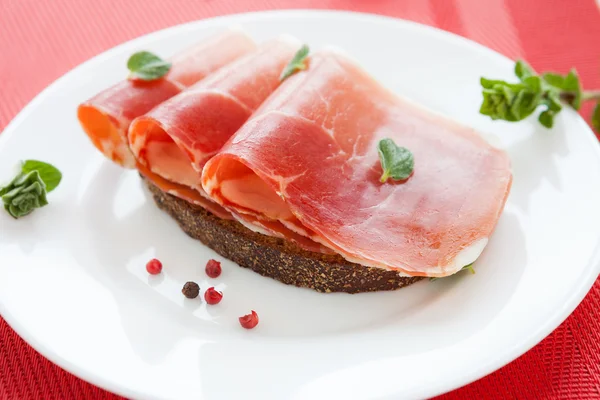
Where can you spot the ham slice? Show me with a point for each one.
(106, 117)
(183, 192)
(175, 139)
(308, 159)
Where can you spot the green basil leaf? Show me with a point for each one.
(568, 82)
(510, 101)
(523, 70)
(596, 117)
(147, 66)
(396, 162)
(553, 79)
(489, 83)
(546, 118)
(533, 83)
(297, 63)
(568, 87)
(48, 173)
(553, 102)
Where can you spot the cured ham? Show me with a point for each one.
(183, 192)
(176, 138)
(308, 159)
(106, 117)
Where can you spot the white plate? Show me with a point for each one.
(73, 282)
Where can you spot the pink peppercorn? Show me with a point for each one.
(212, 296)
(154, 267)
(249, 321)
(213, 268)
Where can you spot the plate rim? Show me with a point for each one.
(500, 360)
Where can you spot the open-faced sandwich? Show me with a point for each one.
(300, 166)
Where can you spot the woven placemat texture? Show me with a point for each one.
(41, 40)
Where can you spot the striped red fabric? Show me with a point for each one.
(40, 41)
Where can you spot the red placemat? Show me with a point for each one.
(39, 41)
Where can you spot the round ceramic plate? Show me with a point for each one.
(73, 280)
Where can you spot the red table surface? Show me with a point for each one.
(40, 41)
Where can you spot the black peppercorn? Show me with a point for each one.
(190, 290)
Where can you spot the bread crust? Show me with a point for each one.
(275, 257)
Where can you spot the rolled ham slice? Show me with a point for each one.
(308, 159)
(175, 139)
(106, 117)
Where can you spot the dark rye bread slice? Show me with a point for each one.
(274, 257)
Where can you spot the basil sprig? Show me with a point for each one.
(147, 66)
(549, 92)
(28, 190)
